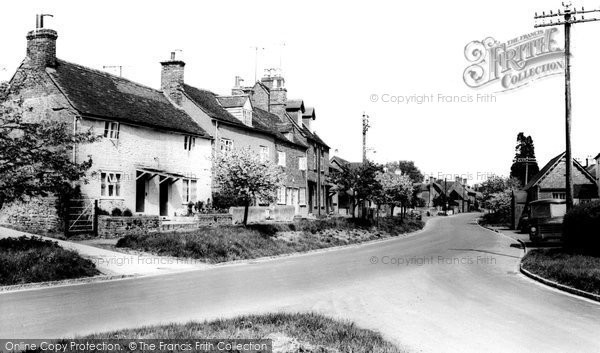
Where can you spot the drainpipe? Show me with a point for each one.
(318, 180)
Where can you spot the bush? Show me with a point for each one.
(127, 213)
(25, 260)
(102, 212)
(116, 212)
(581, 226)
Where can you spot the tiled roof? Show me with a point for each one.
(294, 104)
(272, 122)
(208, 102)
(232, 101)
(309, 112)
(550, 165)
(554, 161)
(98, 94)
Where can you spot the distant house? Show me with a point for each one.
(550, 182)
(153, 158)
(342, 202)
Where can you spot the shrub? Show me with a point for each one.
(102, 212)
(116, 212)
(581, 226)
(127, 213)
(25, 260)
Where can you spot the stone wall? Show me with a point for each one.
(213, 219)
(260, 214)
(35, 215)
(116, 227)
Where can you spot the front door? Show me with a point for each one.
(140, 193)
(163, 196)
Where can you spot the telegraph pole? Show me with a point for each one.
(566, 17)
(365, 128)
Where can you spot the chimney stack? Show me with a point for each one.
(41, 45)
(274, 80)
(171, 79)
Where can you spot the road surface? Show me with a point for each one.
(455, 287)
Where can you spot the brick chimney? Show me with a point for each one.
(41, 45)
(278, 93)
(171, 78)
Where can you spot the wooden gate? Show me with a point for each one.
(82, 216)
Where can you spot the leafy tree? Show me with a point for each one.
(243, 175)
(396, 190)
(523, 151)
(496, 184)
(35, 156)
(407, 168)
(361, 182)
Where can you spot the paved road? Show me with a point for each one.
(459, 292)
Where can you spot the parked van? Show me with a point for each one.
(546, 219)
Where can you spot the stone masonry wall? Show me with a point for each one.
(116, 227)
(36, 215)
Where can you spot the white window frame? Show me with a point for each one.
(189, 190)
(111, 130)
(225, 144)
(264, 153)
(247, 116)
(281, 194)
(302, 161)
(189, 142)
(108, 180)
(281, 158)
(302, 196)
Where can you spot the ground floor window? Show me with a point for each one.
(302, 196)
(281, 196)
(110, 184)
(189, 190)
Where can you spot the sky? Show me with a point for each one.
(337, 57)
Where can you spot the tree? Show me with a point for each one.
(396, 190)
(241, 173)
(407, 168)
(361, 182)
(524, 167)
(35, 156)
(496, 184)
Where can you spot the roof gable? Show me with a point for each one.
(551, 165)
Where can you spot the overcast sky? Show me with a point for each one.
(336, 55)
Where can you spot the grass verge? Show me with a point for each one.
(221, 244)
(299, 332)
(28, 260)
(569, 267)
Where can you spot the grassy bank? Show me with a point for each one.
(568, 267)
(222, 244)
(27, 260)
(289, 332)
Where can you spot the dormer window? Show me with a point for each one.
(189, 142)
(111, 130)
(247, 117)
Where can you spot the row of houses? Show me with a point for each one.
(155, 155)
(441, 194)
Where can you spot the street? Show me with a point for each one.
(454, 287)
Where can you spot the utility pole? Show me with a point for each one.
(365, 128)
(566, 17)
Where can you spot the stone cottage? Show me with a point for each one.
(153, 158)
